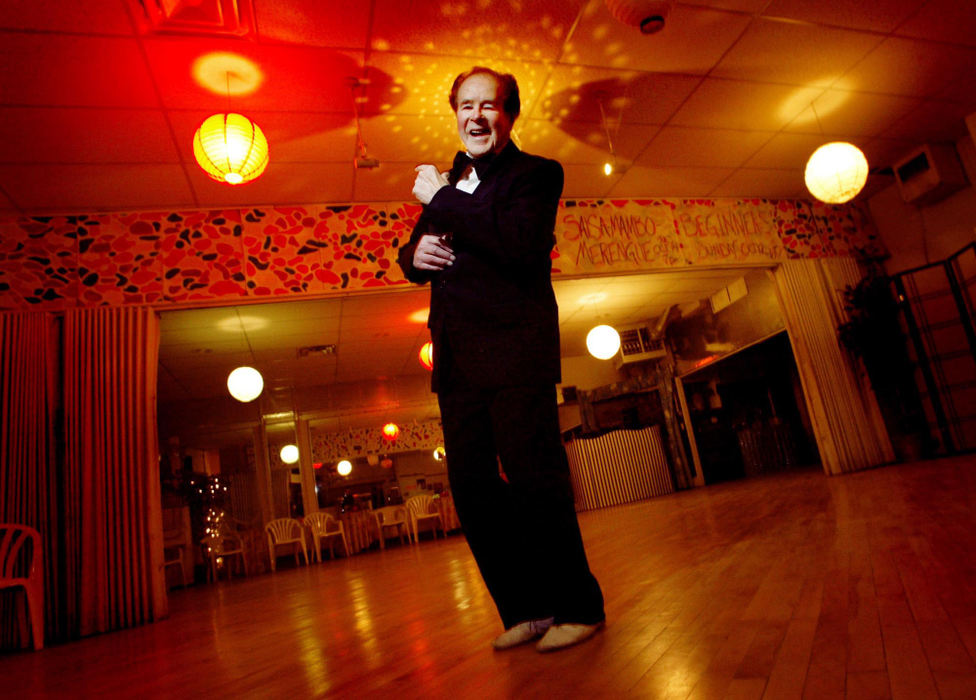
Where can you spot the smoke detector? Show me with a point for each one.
(647, 15)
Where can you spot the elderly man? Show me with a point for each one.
(483, 242)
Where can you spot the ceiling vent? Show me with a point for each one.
(637, 345)
(313, 350)
(929, 173)
(209, 17)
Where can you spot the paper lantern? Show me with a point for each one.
(391, 431)
(603, 342)
(245, 384)
(386, 463)
(344, 468)
(289, 454)
(427, 355)
(439, 453)
(230, 148)
(836, 172)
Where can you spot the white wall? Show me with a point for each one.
(917, 235)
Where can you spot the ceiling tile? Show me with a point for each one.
(786, 151)
(693, 40)
(577, 93)
(93, 16)
(531, 30)
(422, 84)
(785, 52)
(584, 143)
(932, 120)
(854, 14)
(82, 135)
(746, 182)
(313, 22)
(586, 182)
(407, 138)
(63, 70)
(87, 188)
(850, 114)
(911, 67)
(280, 77)
(684, 146)
(731, 104)
(883, 152)
(281, 183)
(943, 20)
(641, 181)
(390, 182)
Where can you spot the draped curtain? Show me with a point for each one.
(80, 463)
(28, 493)
(846, 419)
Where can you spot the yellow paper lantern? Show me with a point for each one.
(603, 342)
(289, 454)
(344, 468)
(245, 384)
(836, 172)
(427, 355)
(230, 148)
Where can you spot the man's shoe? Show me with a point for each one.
(521, 633)
(566, 635)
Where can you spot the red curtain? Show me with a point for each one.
(28, 493)
(113, 522)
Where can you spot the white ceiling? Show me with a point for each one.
(728, 100)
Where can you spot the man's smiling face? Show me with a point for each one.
(483, 125)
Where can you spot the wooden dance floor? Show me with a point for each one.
(793, 585)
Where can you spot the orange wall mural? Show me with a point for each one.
(213, 257)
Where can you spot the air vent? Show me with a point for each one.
(317, 350)
(208, 17)
(637, 345)
(929, 174)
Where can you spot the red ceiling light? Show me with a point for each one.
(427, 355)
(391, 431)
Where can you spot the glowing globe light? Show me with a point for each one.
(439, 453)
(230, 148)
(289, 454)
(836, 172)
(603, 342)
(344, 468)
(245, 384)
(427, 355)
(608, 169)
(391, 431)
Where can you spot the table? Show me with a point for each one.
(360, 529)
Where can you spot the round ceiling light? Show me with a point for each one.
(603, 342)
(344, 468)
(289, 454)
(427, 355)
(836, 172)
(245, 384)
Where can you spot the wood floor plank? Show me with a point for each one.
(787, 586)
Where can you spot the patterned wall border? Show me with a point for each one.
(178, 258)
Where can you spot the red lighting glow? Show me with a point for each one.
(391, 431)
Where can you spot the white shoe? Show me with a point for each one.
(521, 633)
(566, 635)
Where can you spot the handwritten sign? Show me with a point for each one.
(623, 236)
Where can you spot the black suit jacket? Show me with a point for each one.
(494, 309)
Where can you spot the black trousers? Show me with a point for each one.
(522, 529)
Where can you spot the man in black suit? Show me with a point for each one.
(483, 242)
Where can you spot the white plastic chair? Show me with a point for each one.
(394, 517)
(324, 527)
(286, 531)
(23, 566)
(422, 509)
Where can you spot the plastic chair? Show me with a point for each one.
(223, 544)
(422, 509)
(285, 531)
(24, 566)
(392, 517)
(325, 527)
(174, 542)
